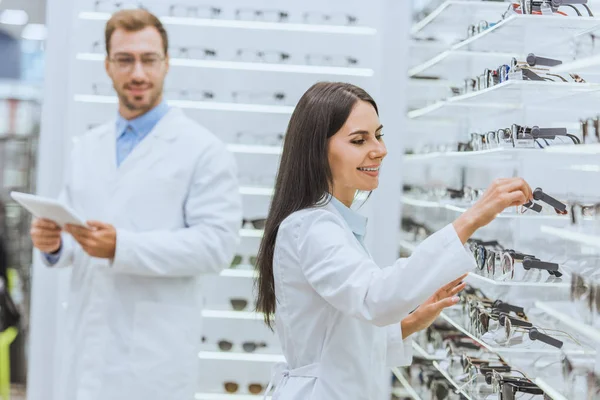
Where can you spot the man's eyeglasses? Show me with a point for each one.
(126, 63)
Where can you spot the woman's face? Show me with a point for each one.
(355, 153)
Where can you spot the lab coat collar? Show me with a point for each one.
(356, 222)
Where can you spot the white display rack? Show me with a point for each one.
(254, 149)
(577, 237)
(584, 66)
(560, 312)
(227, 314)
(579, 150)
(17, 90)
(456, 65)
(499, 154)
(451, 381)
(252, 25)
(453, 16)
(251, 233)
(197, 105)
(239, 273)
(500, 349)
(256, 191)
(461, 209)
(225, 396)
(251, 66)
(549, 390)
(509, 95)
(232, 356)
(528, 33)
(423, 354)
(410, 391)
(521, 284)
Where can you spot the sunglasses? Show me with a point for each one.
(255, 223)
(238, 259)
(249, 347)
(238, 304)
(233, 387)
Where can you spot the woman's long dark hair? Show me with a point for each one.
(304, 174)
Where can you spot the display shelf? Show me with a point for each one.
(256, 191)
(227, 314)
(549, 390)
(239, 273)
(232, 356)
(410, 391)
(453, 16)
(583, 66)
(461, 209)
(250, 25)
(577, 237)
(501, 349)
(227, 396)
(451, 381)
(10, 89)
(578, 150)
(197, 105)
(251, 233)
(457, 65)
(560, 312)
(498, 154)
(474, 277)
(254, 149)
(509, 95)
(423, 354)
(251, 66)
(528, 33)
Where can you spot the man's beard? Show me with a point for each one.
(131, 106)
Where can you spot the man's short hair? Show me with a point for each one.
(132, 21)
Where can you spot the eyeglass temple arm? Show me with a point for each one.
(529, 263)
(533, 206)
(533, 60)
(538, 194)
(534, 334)
(502, 306)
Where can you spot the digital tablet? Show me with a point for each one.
(44, 207)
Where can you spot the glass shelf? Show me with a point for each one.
(197, 105)
(256, 191)
(453, 16)
(549, 390)
(240, 272)
(423, 354)
(232, 356)
(509, 95)
(474, 277)
(456, 65)
(252, 25)
(226, 396)
(250, 66)
(251, 233)
(452, 382)
(227, 314)
(458, 209)
(253, 149)
(577, 237)
(582, 66)
(528, 33)
(405, 384)
(562, 312)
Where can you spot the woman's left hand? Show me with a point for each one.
(427, 312)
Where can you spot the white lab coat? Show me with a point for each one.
(338, 314)
(134, 323)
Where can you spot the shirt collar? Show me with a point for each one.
(356, 222)
(145, 122)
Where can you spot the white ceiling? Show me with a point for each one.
(36, 9)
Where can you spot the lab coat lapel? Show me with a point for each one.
(152, 147)
(332, 208)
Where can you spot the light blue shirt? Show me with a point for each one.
(356, 222)
(130, 133)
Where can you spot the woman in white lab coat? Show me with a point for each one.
(341, 319)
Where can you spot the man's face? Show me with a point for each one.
(137, 65)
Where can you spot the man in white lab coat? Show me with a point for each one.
(164, 208)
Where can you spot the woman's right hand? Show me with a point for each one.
(501, 194)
